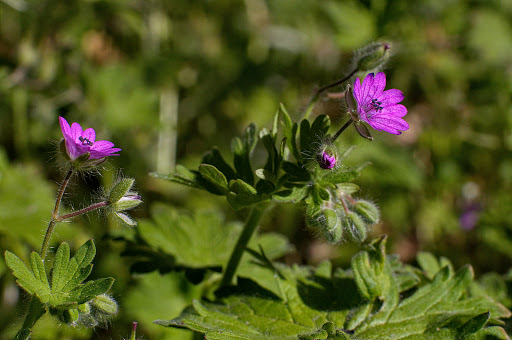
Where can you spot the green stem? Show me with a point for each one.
(241, 244)
(55, 214)
(317, 94)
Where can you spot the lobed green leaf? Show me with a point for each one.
(365, 303)
(26, 278)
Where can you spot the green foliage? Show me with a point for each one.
(371, 301)
(197, 241)
(66, 292)
(145, 303)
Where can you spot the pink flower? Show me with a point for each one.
(80, 142)
(379, 108)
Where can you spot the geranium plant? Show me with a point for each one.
(59, 286)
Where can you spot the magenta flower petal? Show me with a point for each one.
(379, 108)
(79, 142)
(90, 134)
(391, 97)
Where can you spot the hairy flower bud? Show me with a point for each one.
(327, 223)
(367, 211)
(105, 305)
(103, 308)
(373, 56)
(355, 226)
(122, 199)
(326, 161)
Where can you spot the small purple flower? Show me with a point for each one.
(80, 142)
(379, 108)
(470, 215)
(326, 161)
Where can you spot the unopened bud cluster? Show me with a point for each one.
(342, 218)
(90, 314)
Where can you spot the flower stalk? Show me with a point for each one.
(83, 211)
(55, 214)
(247, 232)
(340, 131)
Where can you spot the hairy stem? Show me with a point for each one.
(241, 244)
(55, 214)
(318, 92)
(36, 308)
(83, 211)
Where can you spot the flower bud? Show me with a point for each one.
(326, 161)
(327, 223)
(134, 330)
(373, 56)
(121, 198)
(105, 305)
(355, 226)
(367, 211)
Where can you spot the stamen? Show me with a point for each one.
(85, 141)
(377, 105)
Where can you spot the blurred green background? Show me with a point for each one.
(166, 80)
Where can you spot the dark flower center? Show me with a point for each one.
(85, 141)
(376, 105)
